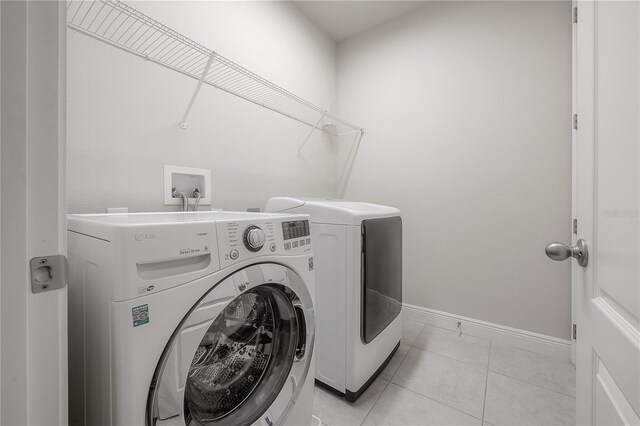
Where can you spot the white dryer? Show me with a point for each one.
(358, 253)
(198, 318)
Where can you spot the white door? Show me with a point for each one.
(608, 192)
(33, 325)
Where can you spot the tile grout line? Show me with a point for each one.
(399, 365)
(487, 368)
(465, 334)
(486, 384)
(414, 392)
(412, 346)
(375, 402)
(460, 333)
(491, 340)
(447, 356)
(435, 400)
(387, 385)
(452, 359)
(418, 335)
(529, 383)
(534, 352)
(532, 384)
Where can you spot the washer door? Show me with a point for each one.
(240, 355)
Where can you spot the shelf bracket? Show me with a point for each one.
(313, 129)
(183, 122)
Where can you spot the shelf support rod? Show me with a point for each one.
(348, 164)
(311, 133)
(183, 122)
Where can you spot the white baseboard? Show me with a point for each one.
(501, 334)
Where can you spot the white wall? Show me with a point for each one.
(467, 108)
(468, 112)
(123, 112)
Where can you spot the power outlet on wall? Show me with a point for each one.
(186, 179)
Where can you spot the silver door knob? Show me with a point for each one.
(558, 251)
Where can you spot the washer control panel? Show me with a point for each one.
(253, 238)
(240, 240)
(296, 233)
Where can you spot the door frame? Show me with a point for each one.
(574, 212)
(33, 326)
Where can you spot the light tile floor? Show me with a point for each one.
(440, 378)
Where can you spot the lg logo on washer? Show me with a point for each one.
(141, 236)
(146, 289)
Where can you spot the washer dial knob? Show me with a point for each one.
(254, 238)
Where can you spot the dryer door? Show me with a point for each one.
(381, 274)
(237, 360)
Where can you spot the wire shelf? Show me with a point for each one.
(122, 26)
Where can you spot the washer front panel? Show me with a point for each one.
(238, 359)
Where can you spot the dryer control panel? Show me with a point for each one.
(240, 240)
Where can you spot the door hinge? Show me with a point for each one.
(575, 15)
(575, 121)
(575, 226)
(49, 273)
(575, 331)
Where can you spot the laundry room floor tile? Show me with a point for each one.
(334, 410)
(446, 380)
(444, 385)
(399, 406)
(512, 402)
(410, 331)
(395, 362)
(536, 369)
(469, 349)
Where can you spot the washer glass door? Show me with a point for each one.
(228, 362)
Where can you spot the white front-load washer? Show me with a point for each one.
(358, 253)
(198, 318)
